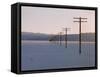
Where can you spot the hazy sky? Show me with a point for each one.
(53, 20)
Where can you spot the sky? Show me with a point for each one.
(54, 20)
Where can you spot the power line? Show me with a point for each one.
(66, 35)
(60, 37)
(80, 21)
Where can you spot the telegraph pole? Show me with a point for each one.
(60, 37)
(80, 20)
(66, 33)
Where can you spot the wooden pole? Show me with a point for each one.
(80, 21)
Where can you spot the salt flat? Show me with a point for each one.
(36, 55)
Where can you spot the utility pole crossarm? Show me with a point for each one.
(80, 20)
(66, 33)
(79, 17)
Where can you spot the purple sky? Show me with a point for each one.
(53, 20)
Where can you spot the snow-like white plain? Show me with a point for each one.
(37, 55)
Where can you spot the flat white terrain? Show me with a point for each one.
(36, 55)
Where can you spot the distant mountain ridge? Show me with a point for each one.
(71, 37)
(34, 36)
